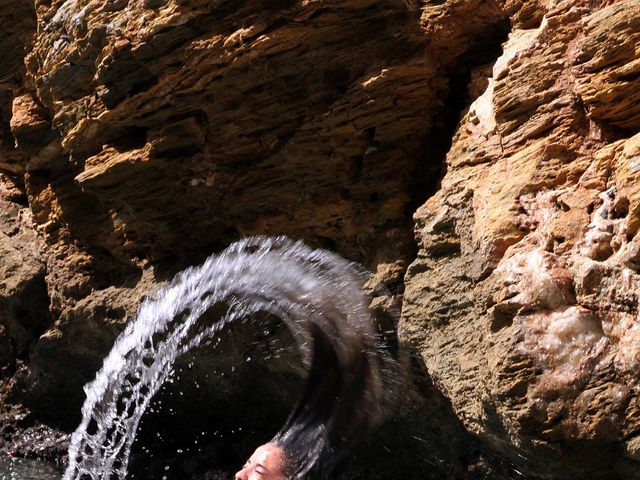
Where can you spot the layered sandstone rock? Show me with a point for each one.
(523, 300)
(138, 136)
(143, 135)
(155, 132)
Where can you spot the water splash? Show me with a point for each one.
(12, 468)
(311, 290)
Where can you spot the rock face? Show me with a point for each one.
(523, 300)
(138, 136)
(150, 133)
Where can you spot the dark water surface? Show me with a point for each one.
(27, 469)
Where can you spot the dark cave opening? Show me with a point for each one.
(483, 51)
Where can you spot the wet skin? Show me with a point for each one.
(265, 464)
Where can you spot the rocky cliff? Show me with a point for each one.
(139, 136)
(523, 300)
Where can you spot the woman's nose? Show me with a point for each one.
(241, 475)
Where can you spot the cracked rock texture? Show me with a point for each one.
(139, 136)
(523, 299)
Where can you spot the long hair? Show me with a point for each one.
(348, 392)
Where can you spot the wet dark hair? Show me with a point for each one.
(350, 384)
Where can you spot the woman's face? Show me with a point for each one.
(265, 464)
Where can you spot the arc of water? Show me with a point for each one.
(274, 275)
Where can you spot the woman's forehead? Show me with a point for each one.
(269, 454)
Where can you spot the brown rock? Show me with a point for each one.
(152, 133)
(17, 18)
(183, 126)
(608, 70)
(138, 137)
(24, 305)
(523, 298)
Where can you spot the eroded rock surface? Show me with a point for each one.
(523, 300)
(152, 133)
(138, 136)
